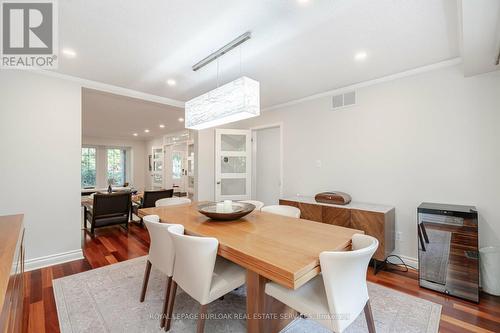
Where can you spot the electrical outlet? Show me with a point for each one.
(398, 235)
(319, 164)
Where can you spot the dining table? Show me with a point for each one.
(270, 247)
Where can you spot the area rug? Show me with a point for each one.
(107, 300)
(434, 260)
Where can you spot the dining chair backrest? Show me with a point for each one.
(194, 264)
(111, 204)
(282, 210)
(161, 247)
(344, 276)
(172, 202)
(258, 204)
(150, 197)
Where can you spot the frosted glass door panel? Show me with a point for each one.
(233, 186)
(233, 142)
(233, 164)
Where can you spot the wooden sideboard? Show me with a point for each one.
(375, 220)
(11, 273)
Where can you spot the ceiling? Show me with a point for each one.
(108, 115)
(298, 48)
(480, 32)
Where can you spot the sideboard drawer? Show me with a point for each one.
(337, 216)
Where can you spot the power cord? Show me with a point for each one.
(403, 264)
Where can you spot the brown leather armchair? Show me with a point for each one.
(108, 209)
(150, 197)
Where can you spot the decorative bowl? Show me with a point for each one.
(237, 211)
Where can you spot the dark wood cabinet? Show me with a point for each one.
(375, 220)
(11, 273)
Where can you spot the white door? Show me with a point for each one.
(179, 172)
(233, 153)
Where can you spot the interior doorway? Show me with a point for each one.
(179, 161)
(267, 160)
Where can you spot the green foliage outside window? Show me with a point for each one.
(116, 166)
(88, 167)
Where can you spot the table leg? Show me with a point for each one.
(265, 314)
(255, 301)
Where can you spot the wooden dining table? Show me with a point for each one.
(270, 247)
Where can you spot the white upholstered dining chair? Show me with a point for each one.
(201, 273)
(336, 297)
(161, 255)
(172, 202)
(258, 204)
(282, 210)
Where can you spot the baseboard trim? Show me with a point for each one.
(52, 259)
(410, 261)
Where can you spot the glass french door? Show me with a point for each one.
(233, 172)
(157, 168)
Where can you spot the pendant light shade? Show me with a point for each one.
(236, 100)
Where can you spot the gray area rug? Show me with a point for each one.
(434, 260)
(107, 300)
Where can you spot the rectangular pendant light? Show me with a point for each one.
(236, 100)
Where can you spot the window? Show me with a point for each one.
(88, 167)
(116, 166)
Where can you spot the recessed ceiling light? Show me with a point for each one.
(146, 131)
(171, 82)
(181, 120)
(162, 126)
(69, 53)
(303, 2)
(360, 56)
(135, 134)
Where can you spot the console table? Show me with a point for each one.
(375, 220)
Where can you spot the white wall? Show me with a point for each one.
(266, 165)
(40, 140)
(204, 166)
(138, 163)
(430, 137)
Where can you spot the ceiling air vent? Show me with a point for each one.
(343, 100)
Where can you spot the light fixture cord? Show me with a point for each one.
(241, 47)
(217, 72)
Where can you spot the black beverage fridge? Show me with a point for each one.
(448, 254)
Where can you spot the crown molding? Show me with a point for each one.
(411, 72)
(111, 88)
(180, 104)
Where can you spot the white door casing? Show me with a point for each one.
(233, 154)
(266, 165)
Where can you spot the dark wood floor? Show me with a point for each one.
(114, 244)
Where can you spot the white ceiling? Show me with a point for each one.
(108, 115)
(296, 50)
(480, 35)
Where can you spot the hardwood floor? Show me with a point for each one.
(114, 244)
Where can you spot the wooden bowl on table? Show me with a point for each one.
(237, 211)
